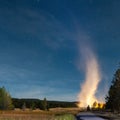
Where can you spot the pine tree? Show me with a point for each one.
(5, 100)
(24, 106)
(44, 104)
(113, 98)
(32, 106)
(94, 105)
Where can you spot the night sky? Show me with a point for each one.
(40, 42)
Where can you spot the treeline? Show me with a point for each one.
(8, 103)
(40, 104)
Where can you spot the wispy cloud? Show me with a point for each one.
(31, 91)
(41, 25)
(11, 74)
(26, 83)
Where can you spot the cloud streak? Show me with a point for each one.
(41, 25)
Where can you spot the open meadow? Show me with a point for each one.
(52, 114)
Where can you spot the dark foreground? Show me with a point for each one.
(88, 116)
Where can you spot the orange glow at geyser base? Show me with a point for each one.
(89, 87)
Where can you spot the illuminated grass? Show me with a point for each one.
(26, 115)
(52, 114)
(65, 117)
(19, 117)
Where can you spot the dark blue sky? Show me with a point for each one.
(40, 40)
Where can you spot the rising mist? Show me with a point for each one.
(92, 78)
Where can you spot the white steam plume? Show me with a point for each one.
(88, 89)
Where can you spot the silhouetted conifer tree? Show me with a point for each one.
(113, 97)
(5, 100)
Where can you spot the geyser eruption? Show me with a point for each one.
(92, 78)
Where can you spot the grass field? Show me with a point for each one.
(52, 114)
(65, 117)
